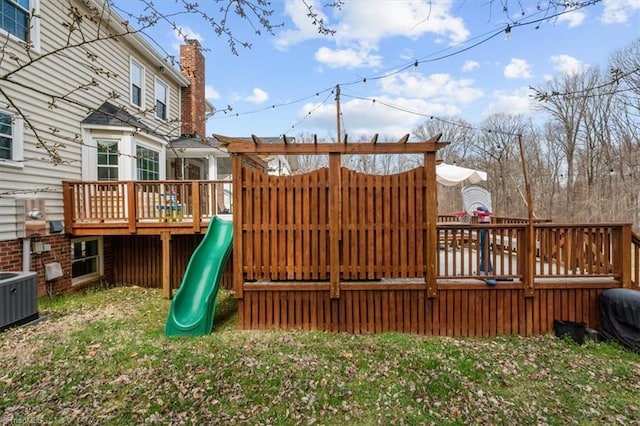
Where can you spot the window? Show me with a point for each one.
(14, 18)
(10, 138)
(137, 83)
(107, 160)
(86, 259)
(148, 164)
(161, 100)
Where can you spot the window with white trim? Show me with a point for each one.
(11, 138)
(108, 157)
(137, 83)
(162, 100)
(86, 259)
(148, 163)
(14, 18)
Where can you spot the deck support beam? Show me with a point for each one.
(166, 264)
(625, 256)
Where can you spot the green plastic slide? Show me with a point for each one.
(193, 306)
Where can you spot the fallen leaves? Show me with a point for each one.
(91, 363)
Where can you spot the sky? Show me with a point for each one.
(398, 63)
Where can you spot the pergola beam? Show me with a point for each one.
(239, 146)
(404, 139)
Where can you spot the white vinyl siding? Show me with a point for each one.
(31, 173)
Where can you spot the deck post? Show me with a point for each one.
(67, 202)
(431, 217)
(530, 259)
(238, 255)
(132, 204)
(335, 189)
(195, 206)
(625, 255)
(166, 264)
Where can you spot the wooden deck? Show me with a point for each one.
(143, 207)
(470, 309)
(336, 250)
(339, 250)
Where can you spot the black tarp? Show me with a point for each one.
(620, 316)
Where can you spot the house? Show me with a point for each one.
(105, 172)
(89, 100)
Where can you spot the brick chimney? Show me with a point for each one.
(193, 97)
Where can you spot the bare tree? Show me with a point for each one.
(455, 130)
(497, 152)
(568, 108)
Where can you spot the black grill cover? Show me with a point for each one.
(620, 316)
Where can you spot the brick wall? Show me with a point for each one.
(11, 255)
(193, 97)
(11, 260)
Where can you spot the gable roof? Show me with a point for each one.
(109, 114)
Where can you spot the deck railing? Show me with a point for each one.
(561, 251)
(635, 261)
(136, 205)
(604, 251)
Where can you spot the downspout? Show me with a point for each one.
(26, 254)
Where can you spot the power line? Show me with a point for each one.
(482, 39)
(430, 116)
(309, 113)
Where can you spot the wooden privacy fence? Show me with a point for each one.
(285, 226)
(334, 224)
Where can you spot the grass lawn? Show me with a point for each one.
(102, 358)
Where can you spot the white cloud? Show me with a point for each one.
(259, 96)
(470, 66)
(179, 36)
(573, 19)
(441, 88)
(363, 117)
(405, 100)
(210, 92)
(373, 21)
(619, 11)
(347, 58)
(304, 28)
(364, 24)
(517, 68)
(514, 103)
(567, 64)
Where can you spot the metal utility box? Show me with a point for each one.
(32, 214)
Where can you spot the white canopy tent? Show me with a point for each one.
(450, 175)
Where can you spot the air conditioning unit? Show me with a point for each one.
(18, 298)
